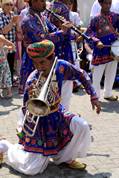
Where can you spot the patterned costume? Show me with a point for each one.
(50, 140)
(103, 28)
(64, 49)
(62, 136)
(37, 27)
(5, 75)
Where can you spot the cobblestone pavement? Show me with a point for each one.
(103, 156)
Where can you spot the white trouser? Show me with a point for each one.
(75, 53)
(66, 93)
(90, 57)
(75, 57)
(33, 163)
(109, 69)
(67, 86)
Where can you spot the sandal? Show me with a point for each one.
(111, 98)
(77, 165)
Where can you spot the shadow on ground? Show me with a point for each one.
(61, 171)
(80, 92)
(7, 103)
(110, 107)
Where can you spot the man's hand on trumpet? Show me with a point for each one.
(100, 45)
(66, 25)
(33, 90)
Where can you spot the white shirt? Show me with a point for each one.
(23, 14)
(75, 18)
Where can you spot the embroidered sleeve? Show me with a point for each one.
(91, 31)
(117, 23)
(31, 81)
(68, 71)
(31, 32)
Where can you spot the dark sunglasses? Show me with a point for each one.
(9, 4)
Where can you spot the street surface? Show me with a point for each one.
(103, 156)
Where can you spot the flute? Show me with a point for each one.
(74, 28)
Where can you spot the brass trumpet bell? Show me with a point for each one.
(38, 107)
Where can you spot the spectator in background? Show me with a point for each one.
(8, 23)
(74, 5)
(19, 36)
(74, 17)
(5, 75)
(0, 6)
(19, 4)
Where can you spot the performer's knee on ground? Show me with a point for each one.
(79, 124)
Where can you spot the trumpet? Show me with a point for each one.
(74, 28)
(38, 107)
